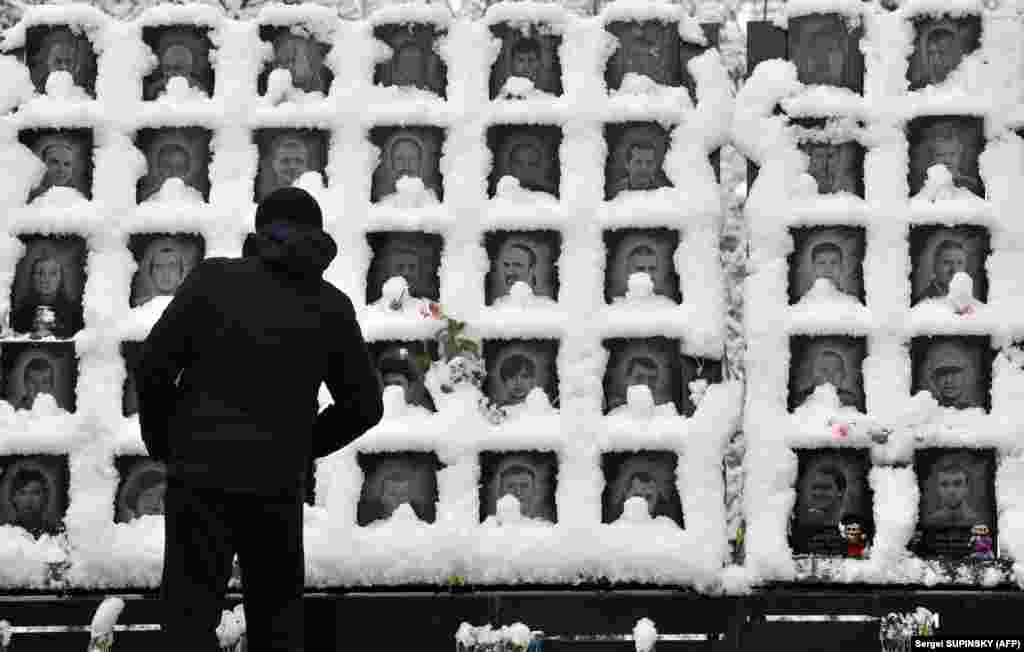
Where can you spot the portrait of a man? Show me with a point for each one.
(653, 362)
(400, 365)
(826, 51)
(529, 477)
(953, 488)
(518, 376)
(528, 51)
(413, 256)
(649, 48)
(636, 158)
(57, 48)
(406, 152)
(181, 52)
(47, 288)
(940, 44)
(832, 360)
(526, 59)
(527, 257)
(938, 252)
(142, 491)
(833, 253)
(516, 368)
(517, 263)
(32, 371)
(303, 58)
(950, 257)
(164, 263)
(414, 61)
(951, 371)
(31, 493)
(641, 251)
(957, 495)
(287, 154)
(38, 379)
(952, 142)
(529, 153)
(395, 479)
(831, 488)
(174, 153)
(650, 475)
(836, 167)
(827, 263)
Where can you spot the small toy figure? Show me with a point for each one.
(981, 542)
(855, 540)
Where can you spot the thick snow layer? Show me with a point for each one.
(985, 85)
(400, 549)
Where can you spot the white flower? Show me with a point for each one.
(105, 617)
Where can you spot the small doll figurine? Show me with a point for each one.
(855, 540)
(981, 543)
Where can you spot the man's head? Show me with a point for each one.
(526, 59)
(642, 259)
(827, 57)
(289, 160)
(952, 483)
(167, 269)
(176, 61)
(61, 54)
(829, 367)
(641, 165)
(47, 275)
(407, 66)
(950, 376)
(644, 485)
(30, 493)
(524, 163)
(827, 261)
(519, 374)
(826, 489)
(518, 263)
(521, 482)
(946, 148)
(405, 262)
(38, 378)
(406, 158)
(291, 53)
(395, 490)
(59, 159)
(642, 370)
(173, 160)
(950, 258)
(942, 53)
(641, 49)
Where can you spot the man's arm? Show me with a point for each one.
(165, 353)
(355, 388)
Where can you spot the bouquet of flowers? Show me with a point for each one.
(897, 629)
(514, 638)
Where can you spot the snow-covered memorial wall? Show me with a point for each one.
(883, 310)
(528, 219)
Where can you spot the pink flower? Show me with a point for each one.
(435, 310)
(840, 430)
(966, 311)
(424, 312)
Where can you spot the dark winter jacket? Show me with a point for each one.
(252, 340)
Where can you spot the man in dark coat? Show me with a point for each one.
(252, 339)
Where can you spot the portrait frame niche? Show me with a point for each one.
(417, 471)
(627, 249)
(836, 166)
(412, 37)
(67, 155)
(190, 45)
(831, 35)
(541, 267)
(672, 370)
(505, 140)
(133, 472)
(844, 363)
(966, 478)
(831, 489)
(145, 247)
(958, 138)
(424, 249)
(56, 368)
(320, 75)
(517, 472)
(622, 138)
(29, 292)
(650, 467)
(517, 366)
(76, 55)
(131, 353)
(529, 41)
(833, 252)
(54, 471)
(410, 358)
(429, 142)
(938, 251)
(647, 47)
(942, 355)
(313, 157)
(953, 39)
(192, 143)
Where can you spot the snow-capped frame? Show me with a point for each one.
(986, 84)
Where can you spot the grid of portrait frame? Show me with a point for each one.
(90, 217)
(934, 325)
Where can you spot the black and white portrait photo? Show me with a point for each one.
(955, 142)
(654, 362)
(414, 256)
(175, 153)
(301, 55)
(636, 157)
(47, 292)
(59, 48)
(181, 51)
(832, 489)
(523, 256)
(33, 492)
(141, 489)
(650, 475)
(395, 479)
(825, 50)
(164, 261)
(33, 370)
(955, 369)
(937, 253)
(832, 359)
(649, 48)
(957, 495)
(641, 251)
(414, 60)
(528, 51)
(836, 167)
(287, 154)
(407, 152)
(517, 367)
(529, 476)
(404, 364)
(940, 44)
(833, 253)
(67, 155)
(529, 153)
